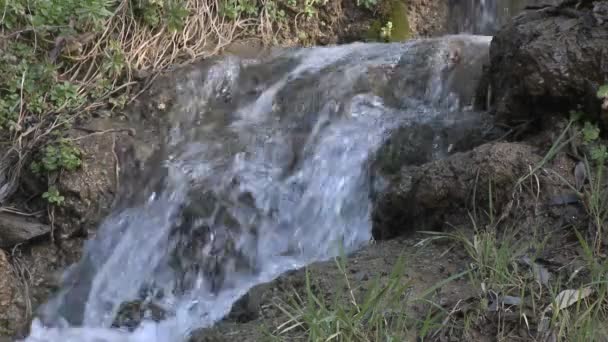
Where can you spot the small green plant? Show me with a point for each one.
(176, 16)
(274, 12)
(309, 8)
(155, 13)
(62, 155)
(596, 195)
(57, 15)
(54, 158)
(369, 4)
(114, 62)
(509, 278)
(27, 84)
(52, 196)
(590, 133)
(382, 312)
(386, 31)
(234, 9)
(65, 95)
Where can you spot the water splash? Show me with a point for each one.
(484, 16)
(264, 168)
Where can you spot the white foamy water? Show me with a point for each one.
(264, 169)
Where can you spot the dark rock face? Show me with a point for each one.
(420, 195)
(548, 61)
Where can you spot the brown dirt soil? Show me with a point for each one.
(427, 18)
(90, 191)
(9, 314)
(30, 273)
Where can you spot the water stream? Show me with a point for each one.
(485, 16)
(264, 167)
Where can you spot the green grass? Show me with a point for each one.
(371, 318)
(554, 308)
(381, 313)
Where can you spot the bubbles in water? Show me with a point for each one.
(265, 169)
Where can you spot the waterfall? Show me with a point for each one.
(264, 167)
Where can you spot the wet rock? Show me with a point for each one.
(16, 229)
(204, 244)
(548, 61)
(423, 194)
(131, 314)
(446, 71)
(90, 190)
(420, 143)
(248, 307)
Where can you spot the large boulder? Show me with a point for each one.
(550, 60)
(422, 196)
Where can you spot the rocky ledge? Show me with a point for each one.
(550, 59)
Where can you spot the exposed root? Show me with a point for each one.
(24, 276)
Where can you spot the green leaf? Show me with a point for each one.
(177, 15)
(590, 132)
(52, 196)
(599, 153)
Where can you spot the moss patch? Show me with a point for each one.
(398, 16)
(396, 12)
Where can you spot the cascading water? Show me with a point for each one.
(484, 16)
(264, 168)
